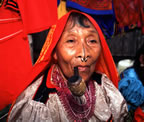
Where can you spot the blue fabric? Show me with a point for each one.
(106, 23)
(58, 2)
(105, 18)
(131, 88)
(71, 4)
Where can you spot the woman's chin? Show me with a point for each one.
(86, 79)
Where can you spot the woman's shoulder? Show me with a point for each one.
(103, 81)
(29, 92)
(28, 106)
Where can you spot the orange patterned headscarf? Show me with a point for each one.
(105, 64)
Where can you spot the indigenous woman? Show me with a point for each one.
(74, 79)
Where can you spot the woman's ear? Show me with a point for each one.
(55, 56)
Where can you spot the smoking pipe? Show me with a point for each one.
(76, 84)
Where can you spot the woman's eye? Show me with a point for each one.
(70, 41)
(93, 41)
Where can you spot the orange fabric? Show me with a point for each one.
(38, 15)
(14, 65)
(62, 9)
(15, 59)
(139, 115)
(18, 18)
(105, 63)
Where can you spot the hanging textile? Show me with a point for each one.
(17, 19)
(38, 15)
(129, 14)
(100, 10)
(61, 8)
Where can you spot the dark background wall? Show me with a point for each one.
(125, 45)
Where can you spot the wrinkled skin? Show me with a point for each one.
(76, 43)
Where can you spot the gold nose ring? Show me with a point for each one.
(84, 59)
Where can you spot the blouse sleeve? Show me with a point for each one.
(26, 109)
(115, 100)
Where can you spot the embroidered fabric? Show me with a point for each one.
(109, 102)
(100, 10)
(75, 110)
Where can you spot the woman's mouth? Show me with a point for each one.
(83, 68)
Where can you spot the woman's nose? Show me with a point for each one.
(83, 52)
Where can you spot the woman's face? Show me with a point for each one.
(75, 44)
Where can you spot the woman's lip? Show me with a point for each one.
(83, 68)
